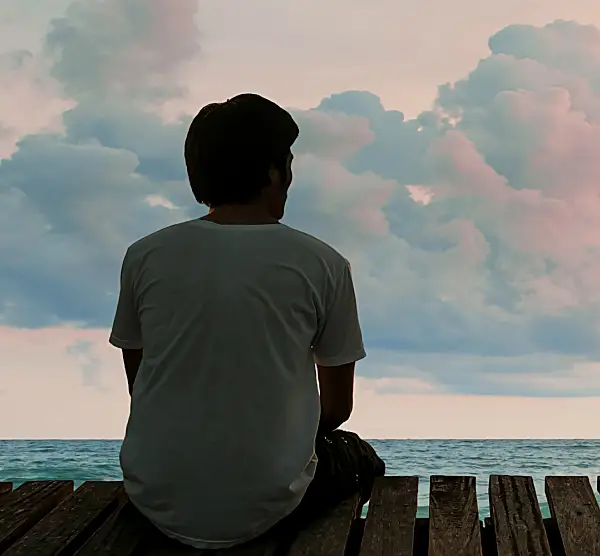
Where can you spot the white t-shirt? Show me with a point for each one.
(225, 407)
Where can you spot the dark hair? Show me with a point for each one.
(230, 147)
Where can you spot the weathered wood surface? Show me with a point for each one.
(26, 505)
(120, 535)
(46, 518)
(516, 517)
(5, 490)
(453, 517)
(575, 510)
(72, 522)
(390, 524)
(328, 536)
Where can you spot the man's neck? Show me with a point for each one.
(240, 214)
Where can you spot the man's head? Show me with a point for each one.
(238, 153)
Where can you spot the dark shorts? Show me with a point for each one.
(347, 465)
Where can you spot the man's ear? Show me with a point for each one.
(274, 175)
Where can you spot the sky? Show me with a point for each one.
(448, 150)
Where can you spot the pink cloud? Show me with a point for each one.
(31, 101)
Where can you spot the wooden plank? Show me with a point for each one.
(515, 511)
(26, 505)
(120, 535)
(5, 490)
(390, 524)
(574, 507)
(453, 517)
(71, 523)
(327, 535)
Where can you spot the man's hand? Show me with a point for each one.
(336, 385)
(132, 359)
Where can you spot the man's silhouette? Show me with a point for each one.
(221, 321)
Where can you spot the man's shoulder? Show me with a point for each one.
(317, 246)
(148, 242)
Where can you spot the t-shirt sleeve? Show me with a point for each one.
(126, 332)
(340, 339)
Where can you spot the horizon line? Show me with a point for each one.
(433, 439)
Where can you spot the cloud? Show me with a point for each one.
(133, 47)
(336, 135)
(542, 374)
(473, 229)
(89, 364)
(566, 46)
(30, 100)
(67, 212)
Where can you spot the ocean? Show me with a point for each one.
(81, 460)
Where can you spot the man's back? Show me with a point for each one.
(225, 406)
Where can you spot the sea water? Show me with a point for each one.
(81, 460)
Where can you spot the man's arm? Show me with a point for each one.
(336, 349)
(132, 359)
(336, 385)
(126, 332)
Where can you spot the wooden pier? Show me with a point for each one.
(48, 518)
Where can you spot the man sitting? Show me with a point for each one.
(221, 321)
